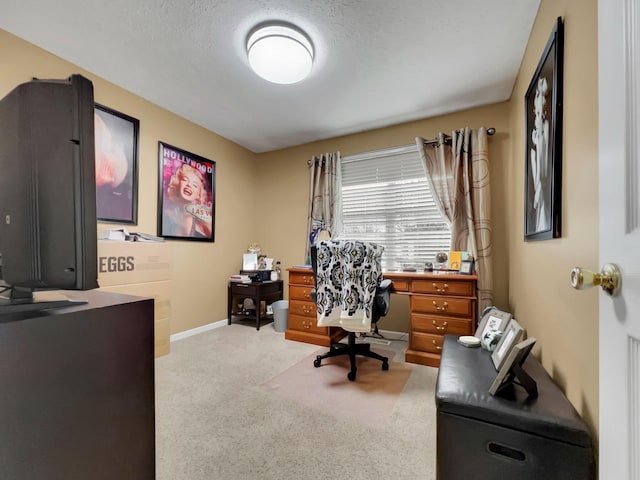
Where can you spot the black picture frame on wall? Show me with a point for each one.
(186, 195)
(116, 139)
(543, 144)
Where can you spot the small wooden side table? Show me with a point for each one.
(268, 291)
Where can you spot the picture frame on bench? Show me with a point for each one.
(512, 369)
(512, 335)
(492, 320)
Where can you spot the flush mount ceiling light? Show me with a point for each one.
(280, 53)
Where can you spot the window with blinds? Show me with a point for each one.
(386, 199)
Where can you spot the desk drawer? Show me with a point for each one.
(303, 309)
(305, 324)
(251, 289)
(440, 325)
(301, 278)
(247, 289)
(426, 342)
(268, 288)
(458, 307)
(444, 287)
(300, 293)
(400, 285)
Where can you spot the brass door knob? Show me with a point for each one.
(608, 279)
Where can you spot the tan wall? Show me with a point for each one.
(200, 270)
(265, 200)
(564, 321)
(285, 176)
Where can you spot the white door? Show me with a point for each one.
(619, 192)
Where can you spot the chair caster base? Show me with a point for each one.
(352, 350)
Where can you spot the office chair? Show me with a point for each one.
(340, 268)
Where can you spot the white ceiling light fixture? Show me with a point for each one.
(280, 53)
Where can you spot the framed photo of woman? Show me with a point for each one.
(186, 195)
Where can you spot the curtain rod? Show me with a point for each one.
(447, 138)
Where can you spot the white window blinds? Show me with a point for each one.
(386, 199)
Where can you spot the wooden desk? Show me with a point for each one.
(267, 291)
(440, 303)
(302, 325)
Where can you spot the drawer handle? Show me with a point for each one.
(505, 451)
(306, 294)
(444, 306)
(443, 327)
(438, 347)
(306, 309)
(306, 280)
(444, 288)
(241, 285)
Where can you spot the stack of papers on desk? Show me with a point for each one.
(123, 234)
(240, 278)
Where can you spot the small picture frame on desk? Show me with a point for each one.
(249, 261)
(466, 267)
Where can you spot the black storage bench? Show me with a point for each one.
(509, 436)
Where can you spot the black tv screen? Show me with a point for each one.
(48, 225)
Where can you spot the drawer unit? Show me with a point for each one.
(439, 304)
(302, 322)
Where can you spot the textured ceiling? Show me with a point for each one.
(378, 62)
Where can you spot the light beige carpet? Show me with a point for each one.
(369, 399)
(215, 418)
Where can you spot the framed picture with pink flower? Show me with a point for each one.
(116, 144)
(186, 195)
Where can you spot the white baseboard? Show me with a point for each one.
(221, 323)
(197, 330)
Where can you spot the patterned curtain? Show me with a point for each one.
(458, 173)
(324, 197)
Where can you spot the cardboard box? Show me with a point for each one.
(124, 263)
(161, 294)
(162, 343)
